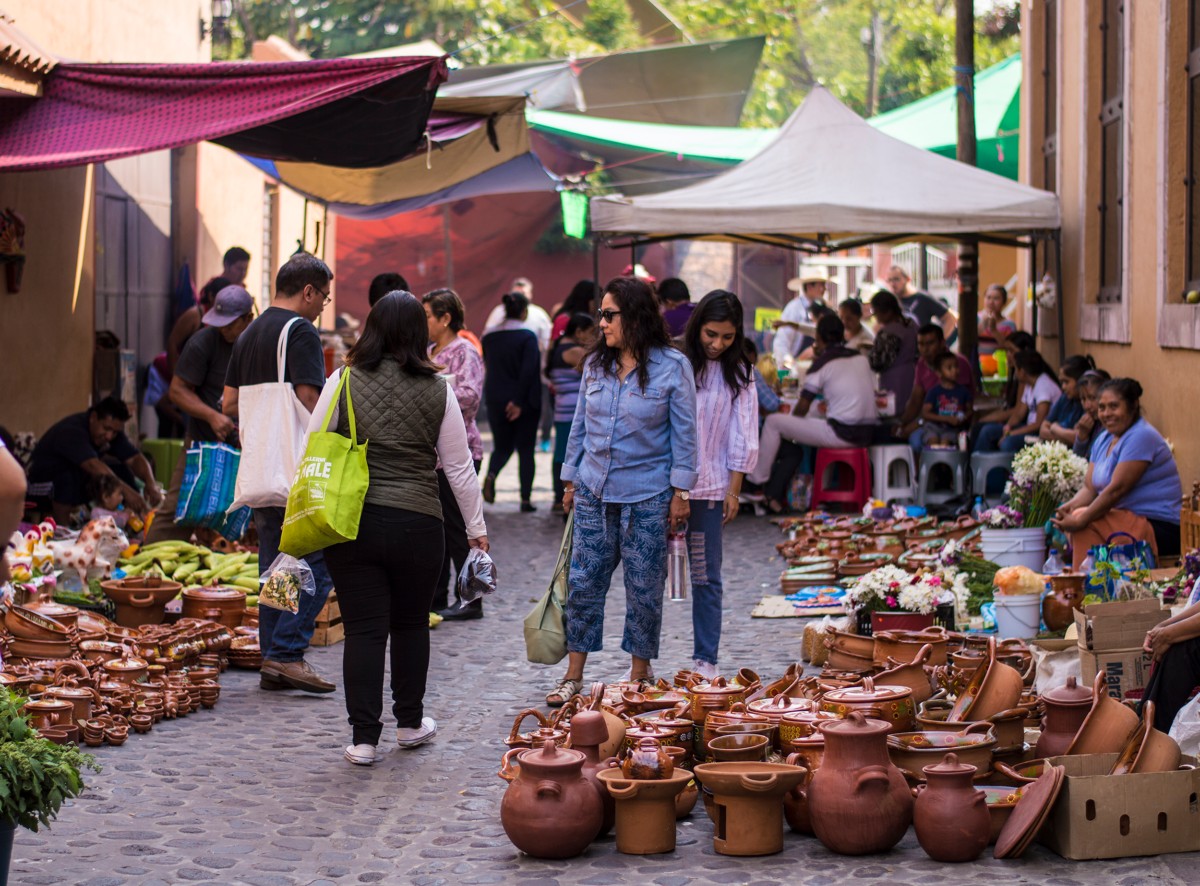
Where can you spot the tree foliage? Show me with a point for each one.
(808, 41)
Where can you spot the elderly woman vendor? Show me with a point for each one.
(1132, 482)
(1175, 645)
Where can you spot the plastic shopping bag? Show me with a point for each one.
(477, 577)
(283, 582)
(545, 626)
(326, 501)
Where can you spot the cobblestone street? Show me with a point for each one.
(257, 792)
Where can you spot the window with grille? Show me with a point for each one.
(1111, 149)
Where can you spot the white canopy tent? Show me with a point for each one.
(829, 181)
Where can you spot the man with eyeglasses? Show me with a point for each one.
(302, 290)
(923, 307)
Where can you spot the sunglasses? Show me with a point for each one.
(606, 315)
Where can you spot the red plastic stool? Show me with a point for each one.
(858, 461)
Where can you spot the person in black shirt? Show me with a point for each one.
(86, 444)
(921, 305)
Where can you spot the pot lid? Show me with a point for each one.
(869, 692)
(549, 756)
(41, 704)
(52, 609)
(125, 664)
(718, 686)
(779, 704)
(855, 724)
(217, 593)
(949, 766)
(1030, 814)
(1070, 694)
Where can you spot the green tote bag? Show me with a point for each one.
(545, 625)
(326, 499)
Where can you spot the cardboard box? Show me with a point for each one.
(1098, 815)
(1121, 625)
(1124, 669)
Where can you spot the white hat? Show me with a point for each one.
(815, 274)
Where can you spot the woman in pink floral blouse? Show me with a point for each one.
(459, 359)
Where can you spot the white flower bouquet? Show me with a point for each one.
(1044, 475)
(892, 589)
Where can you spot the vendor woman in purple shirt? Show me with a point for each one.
(629, 471)
(1132, 482)
(727, 430)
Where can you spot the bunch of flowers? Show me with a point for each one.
(892, 589)
(1002, 517)
(1044, 475)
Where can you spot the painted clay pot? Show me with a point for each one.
(1066, 707)
(670, 729)
(27, 624)
(859, 802)
(950, 816)
(588, 732)
(647, 761)
(912, 752)
(892, 704)
(748, 804)
(646, 810)
(67, 616)
(716, 695)
(551, 810)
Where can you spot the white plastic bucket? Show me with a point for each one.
(1015, 547)
(1018, 615)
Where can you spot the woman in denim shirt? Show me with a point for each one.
(629, 468)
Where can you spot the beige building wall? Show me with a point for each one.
(1151, 335)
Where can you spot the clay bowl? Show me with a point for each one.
(140, 601)
(839, 659)
(770, 731)
(56, 734)
(126, 670)
(743, 748)
(26, 624)
(909, 646)
(1001, 801)
(912, 751)
(67, 616)
(1108, 725)
(1148, 749)
(100, 650)
(855, 644)
(40, 649)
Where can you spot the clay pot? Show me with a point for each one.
(795, 802)
(81, 699)
(775, 708)
(1066, 595)
(717, 695)
(801, 723)
(668, 728)
(742, 748)
(748, 804)
(715, 719)
(647, 761)
(544, 732)
(906, 646)
(588, 732)
(141, 722)
(1148, 749)
(551, 810)
(994, 687)
(100, 650)
(859, 802)
(126, 670)
(1107, 726)
(40, 650)
(912, 675)
(55, 734)
(49, 712)
(767, 730)
(1001, 801)
(67, 616)
(841, 660)
(27, 624)
(855, 644)
(892, 704)
(646, 810)
(220, 604)
(951, 817)
(973, 746)
(1066, 707)
(140, 601)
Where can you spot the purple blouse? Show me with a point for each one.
(461, 360)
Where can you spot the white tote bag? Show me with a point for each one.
(272, 423)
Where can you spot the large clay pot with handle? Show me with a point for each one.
(951, 817)
(1066, 707)
(142, 600)
(892, 704)
(551, 810)
(858, 801)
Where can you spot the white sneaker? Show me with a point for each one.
(414, 738)
(629, 673)
(705, 669)
(361, 754)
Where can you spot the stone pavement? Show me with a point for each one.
(256, 791)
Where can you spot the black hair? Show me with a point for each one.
(1032, 363)
(102, 485)
(233, 255)
(396, 327)
(208, 292)
(1096, 377)
(579, 322)
(382, 284)
(515, 304)
(817, 310)
(853, 305)
(719, 306)
(446, 301)
(1128, 390)
(673, 290)
(999, 288)
(1022, 341)
(945, 357)
(1076, 365)
(111, 407)
(884, 302)
(830, 330)
(581, 299)
(750, 349)
(934, 330)
(642, 327)
(301, 270)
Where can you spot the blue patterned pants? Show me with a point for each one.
(634, 535)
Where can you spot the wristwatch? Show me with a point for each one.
(683, 494)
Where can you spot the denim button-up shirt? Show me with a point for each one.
(629, 444)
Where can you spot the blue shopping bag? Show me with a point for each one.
(209, 475)
(1112, 563)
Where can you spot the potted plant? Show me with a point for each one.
(36, 775)
(1043, 476)
(898, 600)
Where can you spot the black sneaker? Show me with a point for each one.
(489, 489)
(527, 507)
(463, 611)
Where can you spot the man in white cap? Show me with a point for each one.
(794, 328)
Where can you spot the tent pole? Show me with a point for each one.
(1058, 298)
(596, 267)
(632, 259)
(447, 246)
(1033, 256)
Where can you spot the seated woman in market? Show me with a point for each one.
(1088, 427)
(1039, 393)
(1175, 646)
(1132, 482)
(1066, 412)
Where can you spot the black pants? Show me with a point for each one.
(1175, 675)
(385, 581)
(787, 462)
(455, 529)
(509, 436)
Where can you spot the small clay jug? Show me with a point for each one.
(647, 761)
(1066, 595)
(588, 732)
(951, 816)
(1066, 708)
(858, 801)
(550, 809)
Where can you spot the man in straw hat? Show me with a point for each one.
(795, 327)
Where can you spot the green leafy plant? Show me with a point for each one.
(36, 775)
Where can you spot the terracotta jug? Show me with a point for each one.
(647, 761)
(550, 809)
(1066, 595)
(1066, 707)
(858, 801)
(589, 731)
(951, 817)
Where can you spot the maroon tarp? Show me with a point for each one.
(341, 112)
